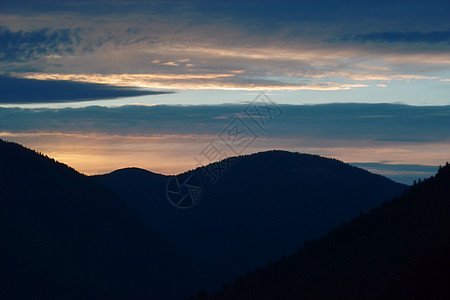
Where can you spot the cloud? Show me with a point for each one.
(228, 45)
(30, 45)
(399, 167)
(22, 90)
(433, 37)
(276, 47)
(383, 123)
(166, 138)
(170, 63)
(400, 172)
(225, 81)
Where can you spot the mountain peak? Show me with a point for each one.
(133, 171)
(256, 208)
(396, 251)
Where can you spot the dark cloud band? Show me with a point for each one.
(381, 123)
(20, 90)
(401, 37)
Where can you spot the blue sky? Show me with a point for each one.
(65, 58)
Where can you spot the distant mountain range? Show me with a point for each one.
(65, 236)
(397, 251)
(258, 208)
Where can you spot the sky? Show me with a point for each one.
(107, 84)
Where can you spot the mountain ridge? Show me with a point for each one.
(143, 170)
(396, 251)
(64, 235)
(272, 201)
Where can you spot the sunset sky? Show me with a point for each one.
(179, 74)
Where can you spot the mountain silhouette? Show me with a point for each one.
(65, 236)
(258, 208)
(397, 251)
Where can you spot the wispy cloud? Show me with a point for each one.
(30, 45)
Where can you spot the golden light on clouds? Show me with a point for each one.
(187, 81)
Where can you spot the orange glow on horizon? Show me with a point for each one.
(98, 153)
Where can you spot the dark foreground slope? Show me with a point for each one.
(398, 251)
(260, 207)
(65, 236)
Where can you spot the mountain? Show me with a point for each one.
(397, 251)
(65, 236)
(260, 207)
